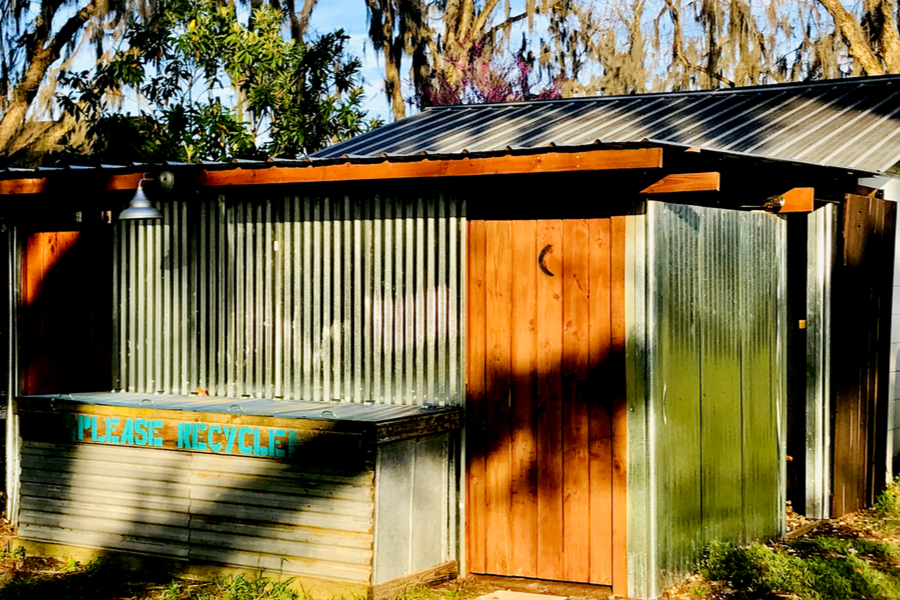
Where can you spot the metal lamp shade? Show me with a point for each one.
(139, 208)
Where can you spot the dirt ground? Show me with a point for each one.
(865, 525)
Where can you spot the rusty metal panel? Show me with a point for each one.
(822, 249)
(350, 298)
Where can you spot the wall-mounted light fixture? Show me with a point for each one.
(139, 207)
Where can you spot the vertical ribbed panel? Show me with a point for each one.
(821, 250)
(706, 445)
(325, 298)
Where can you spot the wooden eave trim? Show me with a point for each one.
(551, 162)
(23, 186)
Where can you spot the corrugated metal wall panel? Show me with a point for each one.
(675, 381)
(706, 434)
(821, 250)
(719, 313)
(412, 508)
(762, 309)
(346, 298)
(244, 512)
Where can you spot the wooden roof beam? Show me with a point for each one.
(685, 182)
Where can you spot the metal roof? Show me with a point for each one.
(257, 407)
(852, 123)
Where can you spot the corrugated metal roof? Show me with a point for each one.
(852, 123)
(257, 407)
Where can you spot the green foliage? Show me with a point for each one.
(98, 579)
(848, 547)
(839, 573)
(887, 503)
(260, 94)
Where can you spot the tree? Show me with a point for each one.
(585, 47)
(215, 89)
(34, 36)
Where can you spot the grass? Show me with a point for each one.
(817, 569)
(107, 579)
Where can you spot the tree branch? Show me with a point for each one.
(853, 33)
(45, 54)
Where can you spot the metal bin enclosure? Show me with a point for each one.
(341, 496)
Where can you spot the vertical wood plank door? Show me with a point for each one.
(545, 400)
(861, 352)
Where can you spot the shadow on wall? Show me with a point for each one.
(312, 515)
(66, 312)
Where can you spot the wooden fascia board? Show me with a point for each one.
(553, 162)
(23, 186)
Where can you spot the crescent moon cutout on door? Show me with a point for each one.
(544, 252)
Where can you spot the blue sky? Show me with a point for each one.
(350, 15)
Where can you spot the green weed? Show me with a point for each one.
(848, 547)
(887, 503)
(758, 571)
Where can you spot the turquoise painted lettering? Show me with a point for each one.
(95, 431)
(140, 432)
(128, 432)
(155, 440)
(184, 435)
(210, 439)
(199, 433)
(230, 436)
(242, 435)
(271, 442)
(257, 449)
(83, 423)
(292, 443)
(111, 424)
(71, 422)
(276, 443)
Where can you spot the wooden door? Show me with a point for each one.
(545, 435)
(860, 342)
(66, 313)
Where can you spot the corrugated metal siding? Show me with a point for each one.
(243, 512)
(413, 507)
(707, 398)
(822, 258)
(828, 122)
(327, 298)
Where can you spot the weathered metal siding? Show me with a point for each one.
(12, 386)
(413, 508)
(243, 512)
(822, 259)
(706, 386)
(322, 298)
